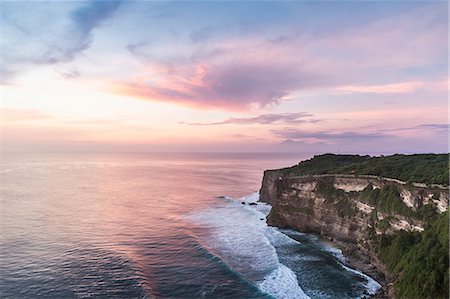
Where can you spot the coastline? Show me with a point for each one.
(358, 259)
(353, 262)
(363, 261)
(366, 262)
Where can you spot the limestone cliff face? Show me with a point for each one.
(335, 207)
(269, 187)
(346, 209)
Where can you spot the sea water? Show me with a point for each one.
(156, 226)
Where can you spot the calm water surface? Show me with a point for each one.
(155, 226)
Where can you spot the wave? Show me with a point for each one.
(372, 286)
(242, 239)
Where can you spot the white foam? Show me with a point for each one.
(372, 286)
(282, 283)
(243, 241)
(336, 252)
(247, 244)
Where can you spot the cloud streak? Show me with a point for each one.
(298, 135)
(404, 87)
(439, 127)
(429, 127)
(394, 88)
(293, 136)
(264, 119)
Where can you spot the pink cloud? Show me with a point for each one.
(236, 86)
(402, 87)
(257, 71)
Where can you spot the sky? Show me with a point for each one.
(235, 76)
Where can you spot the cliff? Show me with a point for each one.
(351, 210)
(343, 207)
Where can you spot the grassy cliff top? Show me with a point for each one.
(421, 168)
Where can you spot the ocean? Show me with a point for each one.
(156, 226)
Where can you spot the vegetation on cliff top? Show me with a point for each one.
(387, 199)
(345, 207)
(418, 262)
(422, 168)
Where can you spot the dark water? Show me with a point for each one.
(151, 226)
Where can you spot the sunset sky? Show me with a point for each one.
(310, 76)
